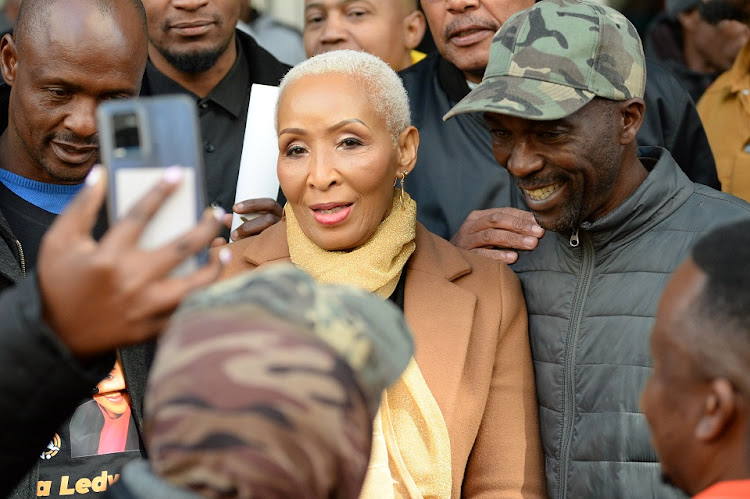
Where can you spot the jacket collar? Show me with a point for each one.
(436, 258)
(665, 189)
(451, 79)
(440, 314)
(268, 247)
(738, 76)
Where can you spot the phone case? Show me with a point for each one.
(139, 139)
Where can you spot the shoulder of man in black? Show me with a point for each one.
(451, 79)
(264, 67)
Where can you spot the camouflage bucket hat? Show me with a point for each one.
(550, 60)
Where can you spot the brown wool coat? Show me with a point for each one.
(469, 323)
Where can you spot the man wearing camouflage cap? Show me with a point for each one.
(460, 192)
(563, 97)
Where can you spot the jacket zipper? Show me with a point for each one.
(574, 241)
(579, 302)
(22, 257)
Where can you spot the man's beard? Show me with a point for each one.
(194, 62)
(577, 208)
(715, 11)
(570, 213)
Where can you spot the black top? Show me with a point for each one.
(222, 114)
(27, 221)
(397, 297)
(258, 66)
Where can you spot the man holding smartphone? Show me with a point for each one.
(65, 313)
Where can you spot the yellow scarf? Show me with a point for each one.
(410, 455)
(375, 266)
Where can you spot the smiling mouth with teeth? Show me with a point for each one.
(542, 193)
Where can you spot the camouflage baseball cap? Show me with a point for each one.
(550, 60)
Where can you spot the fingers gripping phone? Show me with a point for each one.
(139, 139)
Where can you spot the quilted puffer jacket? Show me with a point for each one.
(592, 296)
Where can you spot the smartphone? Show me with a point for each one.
(139, 139)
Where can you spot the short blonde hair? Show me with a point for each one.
(383, 87)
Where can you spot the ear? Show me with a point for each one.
(414, 29)
(408, 144)
(632, 118)
(8, 59)
(718, 412)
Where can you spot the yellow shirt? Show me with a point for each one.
(725, 112)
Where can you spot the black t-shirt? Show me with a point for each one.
(27, 221)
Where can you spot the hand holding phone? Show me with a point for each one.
(101, 295)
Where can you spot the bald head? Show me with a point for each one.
(722, 304)
(34, 15)
(703, 310)
(65, 58)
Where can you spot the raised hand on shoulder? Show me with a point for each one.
(499, 233)
(261, 213)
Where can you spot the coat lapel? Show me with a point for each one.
(440, 314)
(268, 247)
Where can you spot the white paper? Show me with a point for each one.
(175, 217)
(257, 177)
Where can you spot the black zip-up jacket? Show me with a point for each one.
(456, 172)
(41, 383)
